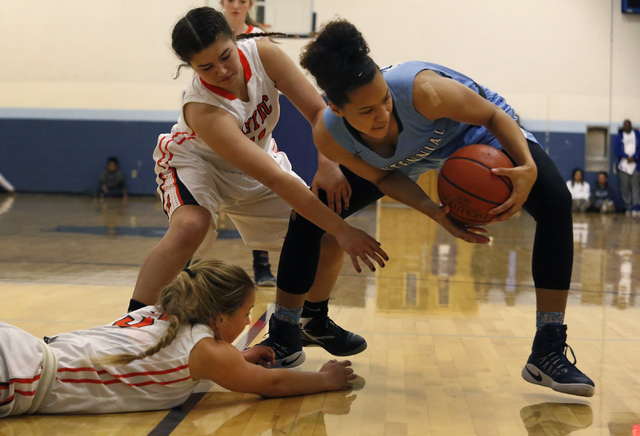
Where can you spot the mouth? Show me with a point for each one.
(226, 78)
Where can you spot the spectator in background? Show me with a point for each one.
(627, 148)
(601, 197)
(580, 191)
(112, 181)
(6, 185)
(237, 14)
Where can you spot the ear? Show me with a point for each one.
(336, 110)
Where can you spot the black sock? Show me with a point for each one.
(135, 305)
(260, 258)
(312, 310)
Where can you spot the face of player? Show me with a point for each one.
(229, 327)
(627, 126)
(112, 166)
(370, 108)
(236, 10)
(219, 65)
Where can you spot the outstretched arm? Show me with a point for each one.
(395, 184)
(292, 83)
(223, 364)
(218, 128)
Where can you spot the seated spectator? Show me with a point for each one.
(627, 148)
(112, 181)
(580, 191)
(601, 196)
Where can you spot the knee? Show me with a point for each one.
(190, 226)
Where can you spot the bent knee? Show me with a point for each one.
(190, 224)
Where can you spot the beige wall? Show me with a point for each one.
(553, 60)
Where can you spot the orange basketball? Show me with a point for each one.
(467, 185)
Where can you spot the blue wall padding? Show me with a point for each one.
(68, 156)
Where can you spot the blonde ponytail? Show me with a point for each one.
(207, 290)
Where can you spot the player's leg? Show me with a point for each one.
(549, 203)
(306, 252)
(187, 229)
(262, 275)
(179, 175)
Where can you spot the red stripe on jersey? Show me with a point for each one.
(7, 401)
(6, 385)
(89, 369)
(166, 371)
(226, 94)
(249, 29)
(89, 380)
(117, 380)
(25, 393)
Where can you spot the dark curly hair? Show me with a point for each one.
(338, 58)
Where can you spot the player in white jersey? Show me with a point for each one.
(238, 16)
(153, 358)
(220, 157)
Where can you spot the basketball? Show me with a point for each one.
(467, 185)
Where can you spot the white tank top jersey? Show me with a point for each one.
(256, 118)
(160, 381)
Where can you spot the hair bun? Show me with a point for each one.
(337, 57)
(341, 40)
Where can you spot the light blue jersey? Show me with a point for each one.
(422, 144)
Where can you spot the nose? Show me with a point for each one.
(381, 114)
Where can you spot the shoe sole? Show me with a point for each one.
(309, 343)
(267, 284)
(580, 389)
(291, 361)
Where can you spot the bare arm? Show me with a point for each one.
(219, 129)
(395, 184)
(292, 83)
(223, 364)
(437, 97)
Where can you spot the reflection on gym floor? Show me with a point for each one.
(448, 324)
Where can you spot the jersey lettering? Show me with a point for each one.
(128, 321)
(258, 118)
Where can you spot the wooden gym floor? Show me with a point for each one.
(449, 324)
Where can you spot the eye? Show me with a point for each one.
(226, 58)
(368, 111)
(207, 68)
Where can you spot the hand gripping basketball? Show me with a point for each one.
(469, 187)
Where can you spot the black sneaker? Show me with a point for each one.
(321, 331)
(556, 419)
(263, 277)
(548, 364)
(284, 339)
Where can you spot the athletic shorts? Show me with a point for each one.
(186, 177)
(21, 358)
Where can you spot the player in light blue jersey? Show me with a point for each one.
(386, 127)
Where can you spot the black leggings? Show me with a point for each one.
(549, 203)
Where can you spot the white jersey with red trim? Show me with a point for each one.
(156, 382)
(256, 117)
(253, 29)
